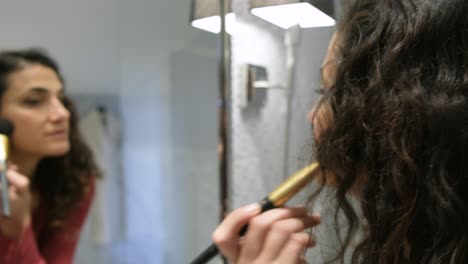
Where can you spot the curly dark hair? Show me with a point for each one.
(61, 181)
(399, 129)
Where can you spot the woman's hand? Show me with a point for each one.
(275, 236)
(20, 204)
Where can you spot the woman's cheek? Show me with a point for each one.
(319, 118)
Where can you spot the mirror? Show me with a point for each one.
(152, 79)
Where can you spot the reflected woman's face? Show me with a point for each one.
(33, 103)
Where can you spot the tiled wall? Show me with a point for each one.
(257, 131)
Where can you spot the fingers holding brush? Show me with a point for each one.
(19, 196)
(276, 236)
(226, 236)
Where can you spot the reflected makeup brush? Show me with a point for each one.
(276, 198)
(6, 128)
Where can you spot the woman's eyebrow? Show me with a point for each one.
(39, 89)
(43, 90)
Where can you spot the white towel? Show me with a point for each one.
(102, 133)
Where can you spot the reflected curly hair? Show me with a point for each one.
(399, 129)
(61, 181)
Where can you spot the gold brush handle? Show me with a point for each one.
(292, 185)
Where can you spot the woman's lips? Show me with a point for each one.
(58, 133)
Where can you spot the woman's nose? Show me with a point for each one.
(58, 112)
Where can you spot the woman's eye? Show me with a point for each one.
(32, 101)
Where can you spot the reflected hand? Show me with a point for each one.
(20, 201)
(276, 236)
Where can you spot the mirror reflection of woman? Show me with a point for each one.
(51, 171)
(391, 130)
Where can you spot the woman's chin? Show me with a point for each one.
(58, 150)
